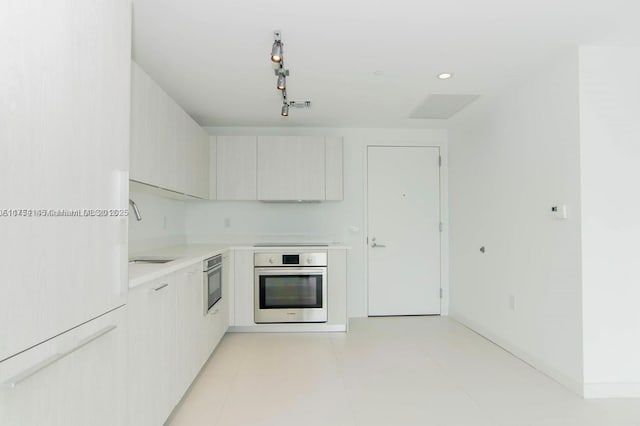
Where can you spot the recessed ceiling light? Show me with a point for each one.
(445, 75)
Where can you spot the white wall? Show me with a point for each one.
(333, 221)
(512, 158)
(163, 222)
(610, 163)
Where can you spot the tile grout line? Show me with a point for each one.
(344, 386)
(224, 404)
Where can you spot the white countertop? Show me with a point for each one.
(186, 255)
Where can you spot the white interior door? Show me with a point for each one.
(403, 208)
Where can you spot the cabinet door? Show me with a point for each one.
(236, 167)
(64, 137)
(165, 170)
(334, 169)
(217, 327)
(144, 130)
(75, 379)
(181, 148)
(228, 290)
(291, 168)
(213, 174)
(197, 160)
(151, 352)
(243, 288)
(190, 326)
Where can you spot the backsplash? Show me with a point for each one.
(252, 221)
(163, 222)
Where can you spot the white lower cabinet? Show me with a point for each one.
(170, 338)
(243, 288)
(151, 351)
(191, 326)
(74, 379)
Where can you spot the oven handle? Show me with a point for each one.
(291, 271)
(212, 269)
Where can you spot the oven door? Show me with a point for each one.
(290, 295)
(212, 287)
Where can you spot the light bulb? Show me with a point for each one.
(276, 51)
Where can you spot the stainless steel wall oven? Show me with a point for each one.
(290, 287)
(212, 282)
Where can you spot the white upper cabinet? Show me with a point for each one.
(64, 146)
(168, 148)
(276, 168)
(200, 183)
(236, 167)
(144, 131)
(291, 168)
(334, 169)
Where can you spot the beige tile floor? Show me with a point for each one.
(397, 371)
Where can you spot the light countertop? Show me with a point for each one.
(186, 255)
(190, 254)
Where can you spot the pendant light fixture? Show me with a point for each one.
(276, 49)
(282, 73)
(282, 81)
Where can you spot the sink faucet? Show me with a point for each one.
(136, 211)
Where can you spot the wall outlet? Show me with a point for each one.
(227, 222)
(560, 211)
(512, 302)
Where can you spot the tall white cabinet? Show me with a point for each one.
(77, 379)
(64, 140)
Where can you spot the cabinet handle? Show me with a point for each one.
(21, 377)
(160, 287)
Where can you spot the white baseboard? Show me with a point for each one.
(287, 328)
(611, 390)
(539, 365)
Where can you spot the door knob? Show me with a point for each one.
(374, 244)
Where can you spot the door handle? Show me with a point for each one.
(16, 380)
(374, 244)
(160, 287)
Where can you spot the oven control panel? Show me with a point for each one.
(281, 259)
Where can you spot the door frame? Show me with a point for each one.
(444, 219)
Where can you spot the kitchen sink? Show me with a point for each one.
(151, 259)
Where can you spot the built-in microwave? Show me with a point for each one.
(212, 282)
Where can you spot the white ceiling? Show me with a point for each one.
(212, 56)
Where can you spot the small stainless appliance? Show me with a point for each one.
(212, 282)
(290, 287)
